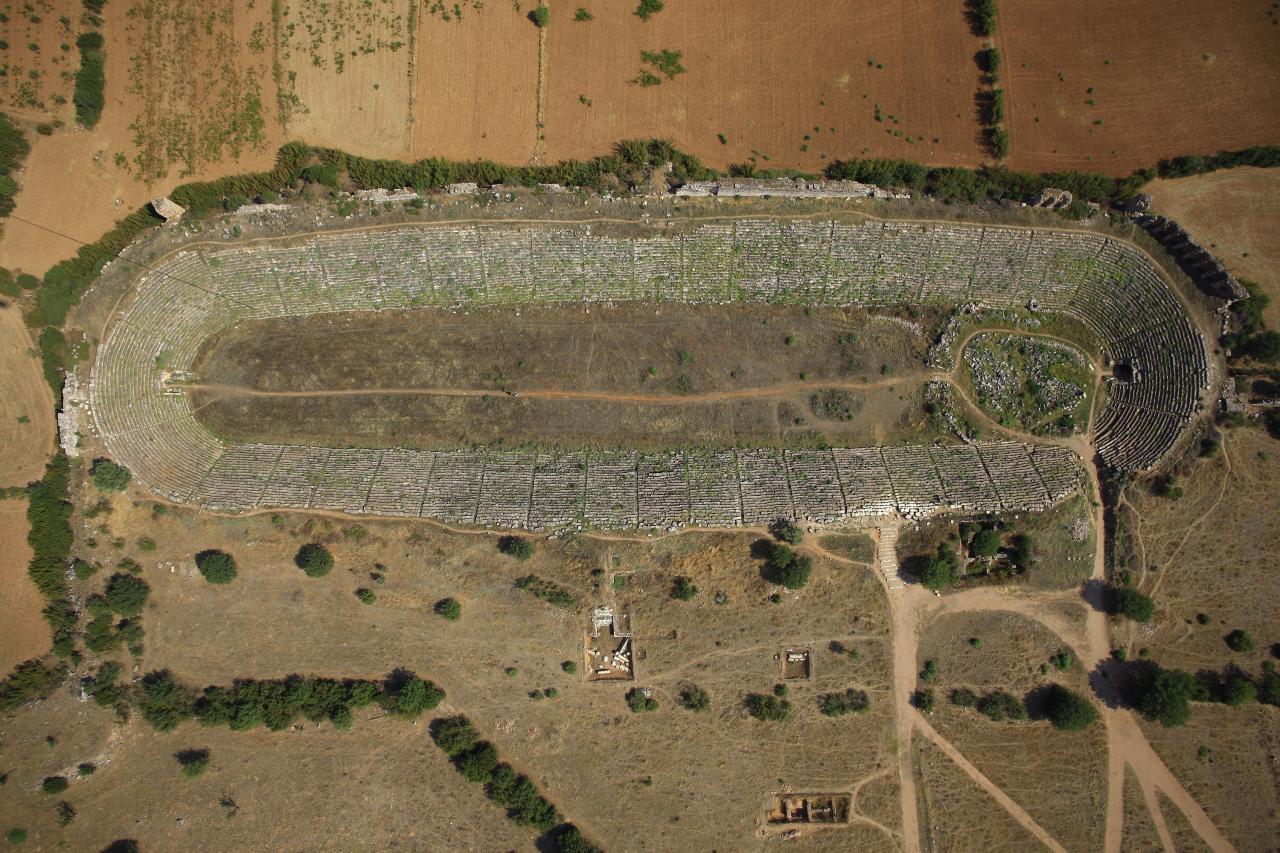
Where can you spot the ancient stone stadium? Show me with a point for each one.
(1113, 289)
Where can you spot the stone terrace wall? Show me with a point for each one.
(1109, 286)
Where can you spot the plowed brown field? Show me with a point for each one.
(1165, 77)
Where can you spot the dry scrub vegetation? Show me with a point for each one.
(690, 778)
(1058, 777)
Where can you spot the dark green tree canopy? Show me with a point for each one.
(218, 567)
(314, 559)
(108, 476)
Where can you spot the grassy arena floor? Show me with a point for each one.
(659, 376)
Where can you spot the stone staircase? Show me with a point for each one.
(887, 554)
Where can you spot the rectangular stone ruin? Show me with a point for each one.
(792, 809)
(608, 649)
(796, 664)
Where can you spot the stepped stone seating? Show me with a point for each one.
(1110, 287)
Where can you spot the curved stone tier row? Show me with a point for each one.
(1109, 286)
(622, 490)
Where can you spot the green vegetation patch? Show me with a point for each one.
(1030, 384)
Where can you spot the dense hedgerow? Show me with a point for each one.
(163, 701)
(29, 680)
(91, 80)
(477, 760)
(13, 150)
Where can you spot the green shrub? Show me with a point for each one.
(449, 608)
(1132, 604)
(218, 567)
(66, 813)
(15, 836)
(638, 702)
(986, 543)
(548, 591)
(930, 671)
(478, 763)
(1238, 690)
(454, 735)
(648, 8)
(983, 16)
(964, 697)
(665, 62)
(29, 680)
(569, 667)
(407, 695)
(1240, 641)
(54, 784)
(582, 15)
(940, 570)
(49, 533)
(769, 708)
(1000, 705)
(163, 701)
(515, 546)
(683, 589)
(192, 761)
(366, 595)
(314, 559)
(540, 15)
(1165, 696)
(694, 698)
(108, 476)
(787, 568)
(849, 702)
(989, 61)
(324, 174)
(126, 594)
(998, 140)
(1068, 710)
(90, 80)
(785, 530)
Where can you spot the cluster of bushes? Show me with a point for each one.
(124, 595)
(516, 546)
(477, 760)
(784, 566)
(982, 15)
(29, 680)
(1130, 603)
(13, 150)
(107, 476)
(849, 702)
(769, 707)
(91, 79)
(996, 706)
(164, 702)
(1253, 339)
(548, 591)
(940, 570)
(105, 690)
(1165, 695)
(639, 701)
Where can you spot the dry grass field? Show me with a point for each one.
(39, 57)
(635, 375)
(1108, 87)
(956, 814)
(345, 73)
(700, 780)
(1140, 834)
(1210, 553)
(1058, 777)
(26, 435)
(1236, 215)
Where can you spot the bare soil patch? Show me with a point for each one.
(632, 375)
(1236, 215)
(23, 632)
(1058, 777)
(1088, 88)
(26, 404)
(475, 86)
(37, 83)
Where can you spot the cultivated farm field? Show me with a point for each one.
(1108, 87)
